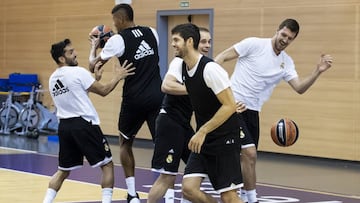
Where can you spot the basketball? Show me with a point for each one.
(103, 32)
(285, 132)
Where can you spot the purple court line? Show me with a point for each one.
(47, 165)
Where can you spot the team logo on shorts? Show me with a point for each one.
(169, 158)
(106, 147)
(242, 134)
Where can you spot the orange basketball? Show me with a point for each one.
(285, 132)
(103, 32)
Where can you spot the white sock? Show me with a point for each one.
(106, 195)
(244, 196)
(239, 192)
(251, 195)
(50, 195)
(184, 200)
(130, 183)
(169, 195)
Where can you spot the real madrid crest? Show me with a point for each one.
(242, 134)
(282, 65)
(106, 147)
(169, 158)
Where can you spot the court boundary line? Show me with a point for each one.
(180, 173)
(308, 190)
(21, 150)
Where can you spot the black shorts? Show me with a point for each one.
(132, 117)
(79, 138)
(250, 119)
(246, 138)
(171, 145)
(223, 168)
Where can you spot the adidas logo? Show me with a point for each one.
(171, 151)
(231, 141)
(137, 33)
(59, 88)
(143, 50)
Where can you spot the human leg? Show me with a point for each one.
(169, 149)
(55, 185)
(191, 190)
(131, 119)
(194, 174)
(70, 157)
(127, 157)
(98, 154)
(127, 160)
(107, 182)
(248, 168)
(249, 154)
(231, 178)
(230, 197)
(160, 186)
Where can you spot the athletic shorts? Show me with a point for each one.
(171, 145)
(222, 168)
(133, 116)
(78, 138)
(246, 138)
(250, 120)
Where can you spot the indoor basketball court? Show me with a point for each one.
(25, 175)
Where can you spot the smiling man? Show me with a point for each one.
(261, 64)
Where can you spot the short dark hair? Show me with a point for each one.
(186, 31)
(126, 9)
(291, 24)
(58, 49)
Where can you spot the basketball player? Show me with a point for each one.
(79, 122)
(261, 64)
(216, 142)
(173, 128)
(142, 94)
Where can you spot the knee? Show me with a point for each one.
(63, 174)
(109, 167)
(188, 190)
(230, 196)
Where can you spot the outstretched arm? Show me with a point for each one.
(301, 86)
(120, 72)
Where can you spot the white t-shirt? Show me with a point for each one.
(68, 88)
(258, 70)
(216, 78)
(115, 46)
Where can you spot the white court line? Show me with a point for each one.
(20, 150)
(309, 190)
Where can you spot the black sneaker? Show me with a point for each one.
(129, 198)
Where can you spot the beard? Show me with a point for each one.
(71, 62)
(181, 53)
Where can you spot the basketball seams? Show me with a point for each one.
(285, 132)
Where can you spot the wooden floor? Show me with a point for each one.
(26, 166)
